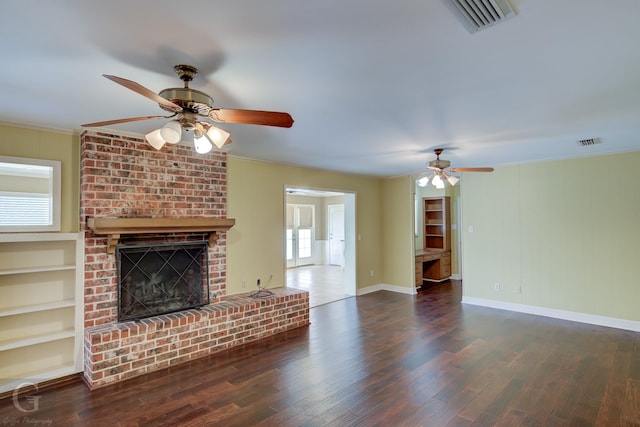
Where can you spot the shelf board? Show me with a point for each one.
(37, 376)
(38, 339)
(37, 307)
(37, 237)
(40, 269)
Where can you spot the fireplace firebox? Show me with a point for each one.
(161, 278)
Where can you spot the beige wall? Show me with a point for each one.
(256, 199)
(38, 144)
(398, 267)
(565, 233)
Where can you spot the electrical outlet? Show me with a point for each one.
(518, 289)
(371, 273)
(244, 283)
(496, 287)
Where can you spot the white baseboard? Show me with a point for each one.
(385, 287)
(611, 322)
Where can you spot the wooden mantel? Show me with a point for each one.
(115, 227)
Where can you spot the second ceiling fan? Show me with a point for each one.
(440, 173)
(188, 108)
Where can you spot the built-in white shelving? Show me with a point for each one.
(37, 339)
(38, 307)
(41, 307)
(37, 269)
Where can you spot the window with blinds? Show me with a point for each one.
(29, 194)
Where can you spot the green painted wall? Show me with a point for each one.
(38, 144)
(256, 199)
(397, 232)
(565, 233)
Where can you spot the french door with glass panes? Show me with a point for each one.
(300, 220)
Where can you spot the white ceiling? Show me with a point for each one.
(373, 85)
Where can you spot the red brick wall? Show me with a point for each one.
(125, 177)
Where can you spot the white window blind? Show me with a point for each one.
(24, 209)
(306, 217)
(290, 216)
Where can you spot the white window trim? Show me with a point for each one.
(54, 195)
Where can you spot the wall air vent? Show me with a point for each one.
(590, 141)
(480, 14)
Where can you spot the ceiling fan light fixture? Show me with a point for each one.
(437, 181)
(155, 139)
(218, 136)
(440, 168)
(201, 143)
(423, 182)
(172, 132)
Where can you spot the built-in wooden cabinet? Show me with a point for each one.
(433, 262)
(437, 223)
(41, 306)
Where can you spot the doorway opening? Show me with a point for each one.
(430, 226)
(320, 243)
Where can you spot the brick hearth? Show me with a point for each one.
(124, 177)
(118, 351)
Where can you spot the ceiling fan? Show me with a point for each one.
(439, 174)
(188, 107)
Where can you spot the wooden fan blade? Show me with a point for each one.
(116, 121)
(138, 88)
(251, 117)
(471, 169)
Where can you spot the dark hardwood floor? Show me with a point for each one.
(382, 359)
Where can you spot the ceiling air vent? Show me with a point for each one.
(590, 141)
(480, 14)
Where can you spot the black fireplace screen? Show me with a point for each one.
(161, 279)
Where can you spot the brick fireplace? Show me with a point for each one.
(123, 177)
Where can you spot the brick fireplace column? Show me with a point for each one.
(124, 177)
